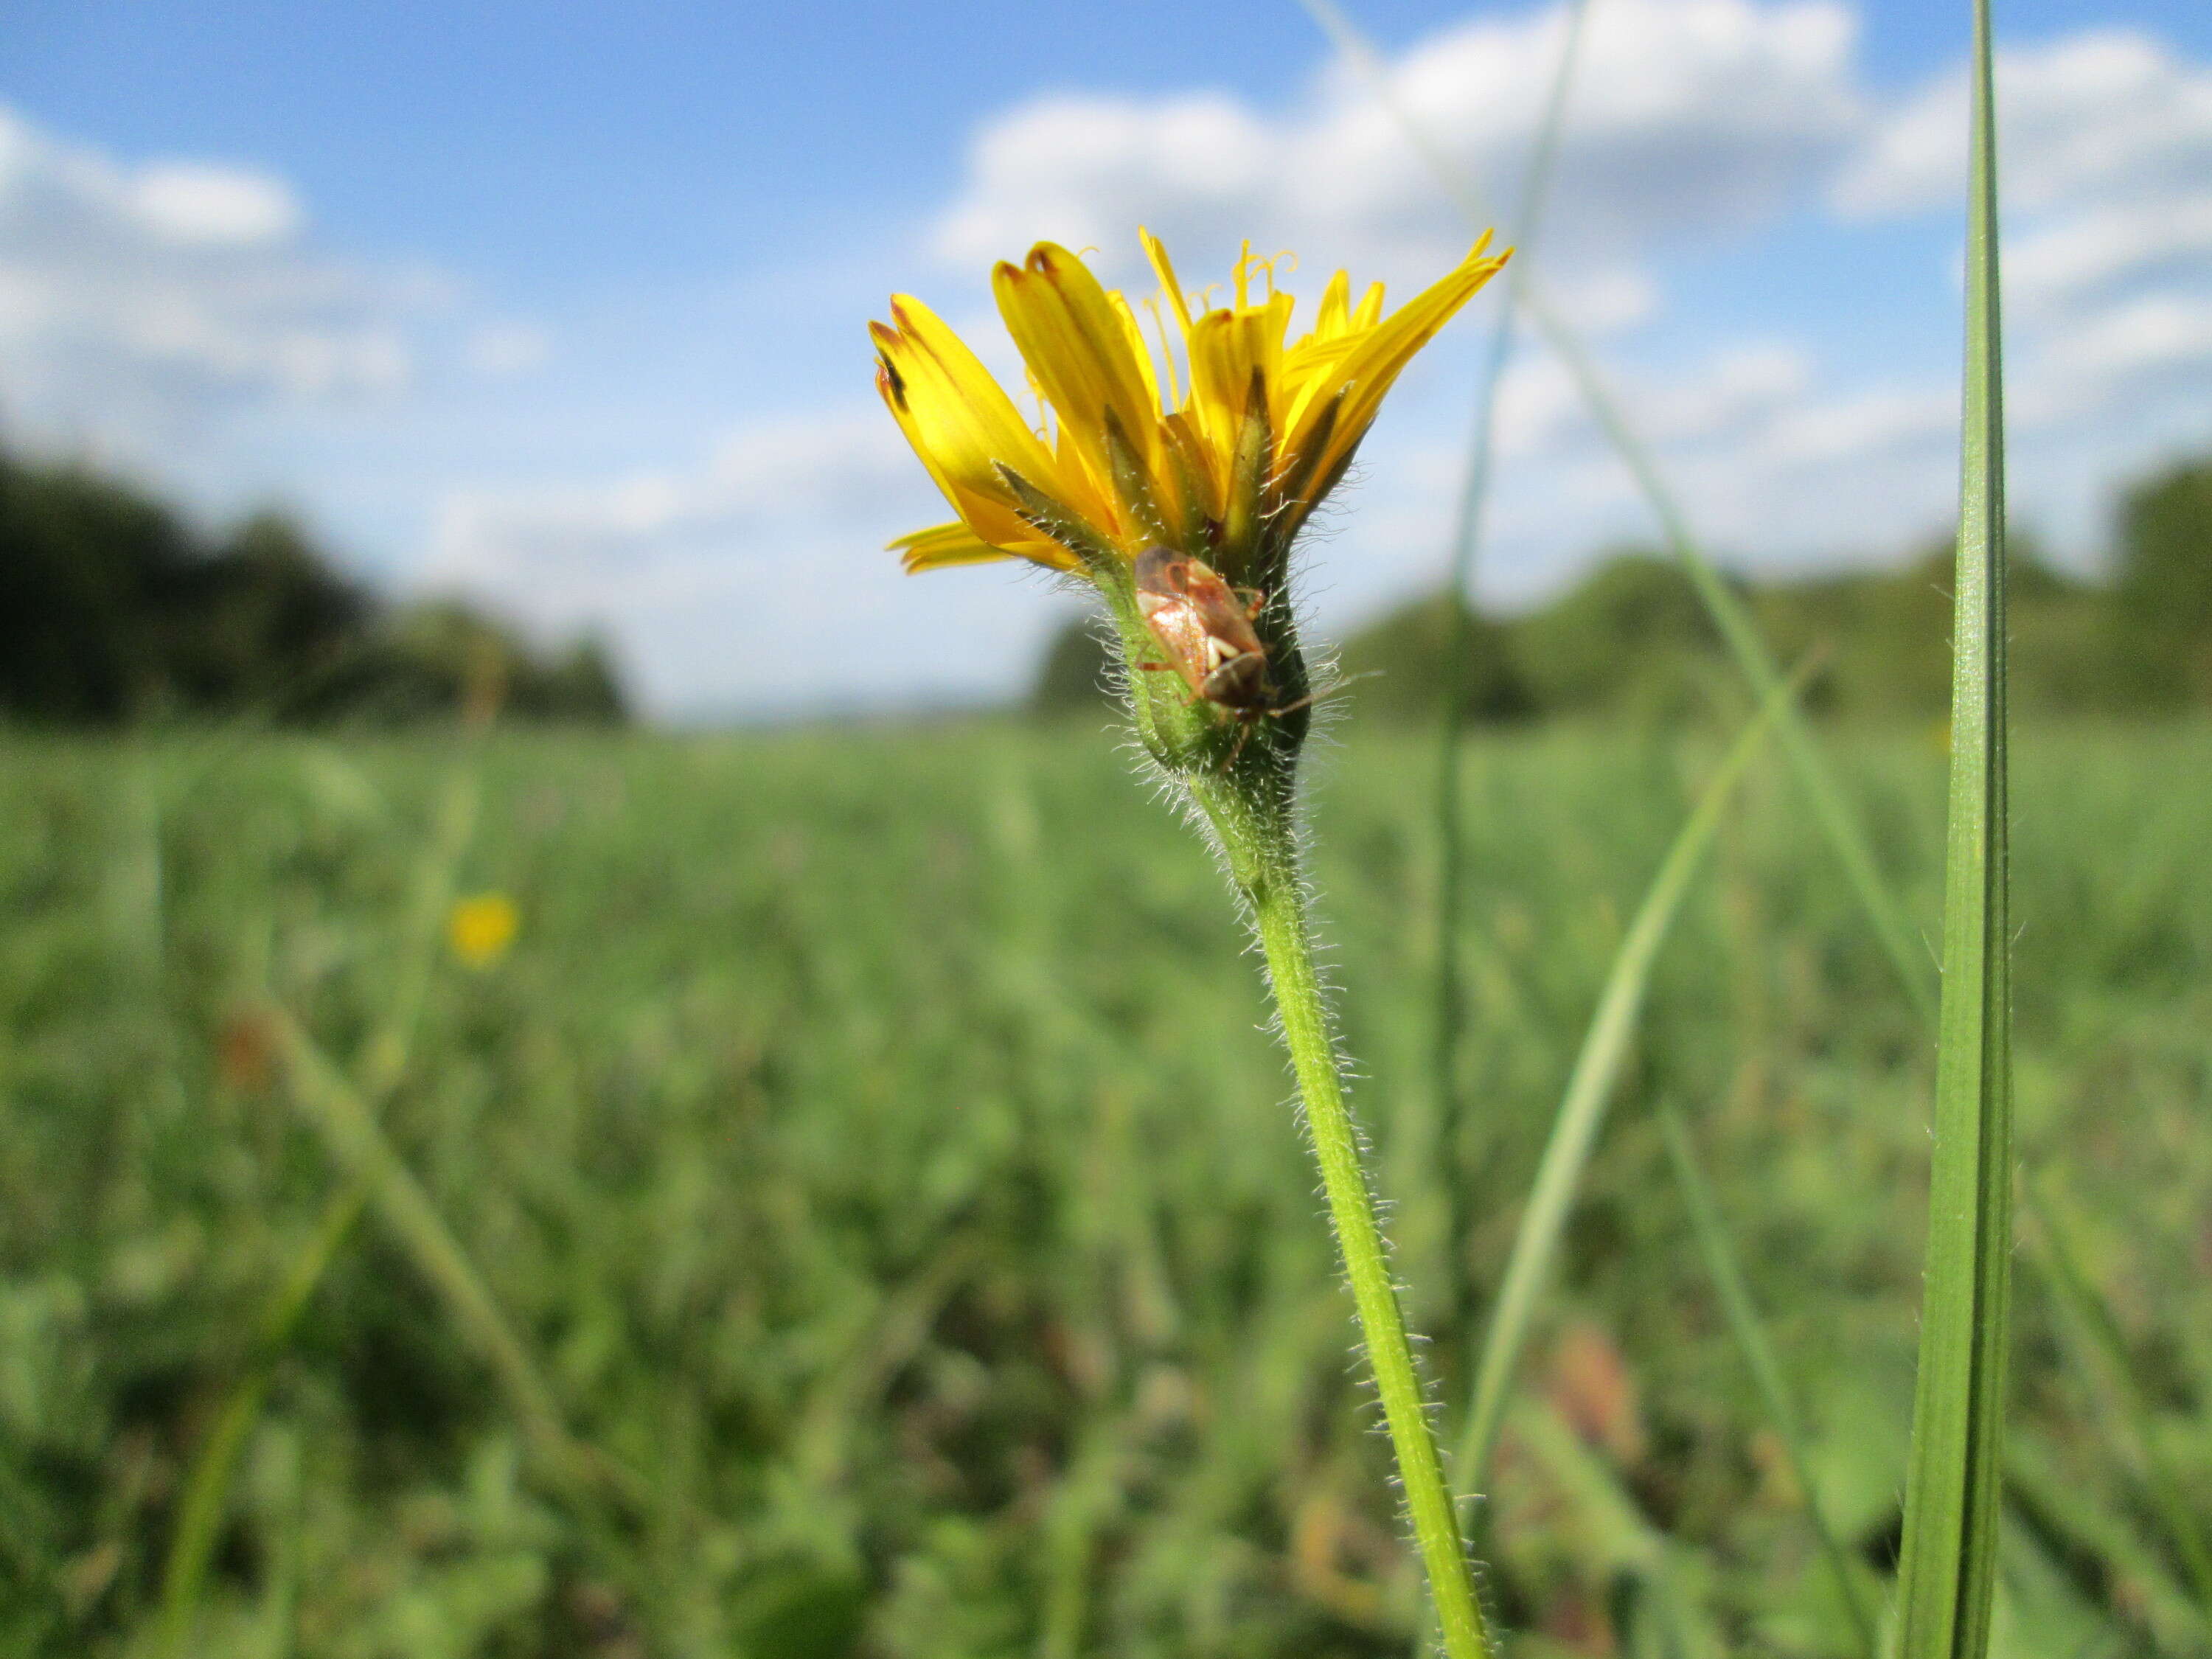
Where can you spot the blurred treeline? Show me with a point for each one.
(115, 608)
(1632, 642)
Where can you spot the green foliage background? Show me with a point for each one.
(114, 607)
(872, 1138)
(1631, 643)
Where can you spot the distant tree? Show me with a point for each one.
(1882, 638)
(1074, 677)
(580, 684)
(441, 657)
(1405, 652)
(264, 618)
(112, 608)
(2163, 586)
(1632, 640)
(91, 570)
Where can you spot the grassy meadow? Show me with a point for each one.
(873, 1148)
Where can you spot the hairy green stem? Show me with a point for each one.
(1252, 815)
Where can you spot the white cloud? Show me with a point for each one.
(755, 578)
(192, 203)
(137, 301)
(830, 474)
(499, 350)
(2106, 162)
(2097, 112)
(2090, 254)
(1688, 115)
(2124, 353)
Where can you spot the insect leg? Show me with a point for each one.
(1245, 721)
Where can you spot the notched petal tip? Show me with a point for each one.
(904, 306)
(891, 384)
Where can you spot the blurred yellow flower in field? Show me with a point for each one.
(1221, 442)
(480, 927)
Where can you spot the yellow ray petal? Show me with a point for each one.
(944, 545)
(978, 497)
(1366, 372)
(1075, 341)
(1138, 348)
(977, 417)
(1226, 346)
(1177, 300)
(959, 421)
(1336, 313)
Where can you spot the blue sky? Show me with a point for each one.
(563, 304)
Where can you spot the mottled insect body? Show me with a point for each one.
(1205, 626)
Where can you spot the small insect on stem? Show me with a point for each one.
(1205, 626)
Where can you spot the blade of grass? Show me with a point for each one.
(2101, 1353)
(1947, 1568)
(1466, 541)
(207, 1487)
(1581, 1111)
(350, 1130)
(1624, 1540)
(1738, 631)
(2081, 1520)
(1440, 1137)
(1750, 1335)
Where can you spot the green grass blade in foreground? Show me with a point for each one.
(1947, 1566)
(1581, 1111)
(1739, 632)
(1466, 540)
(1759, 1355)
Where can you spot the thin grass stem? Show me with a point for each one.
(2101, 1353)
(1466, 541)
(207, 1487)
(1581, 1109)
(358, 1143)
(1750, 1334)
(1622, 1537)
(1739, 633)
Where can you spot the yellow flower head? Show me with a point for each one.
(1222, 442)
(480, 928)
